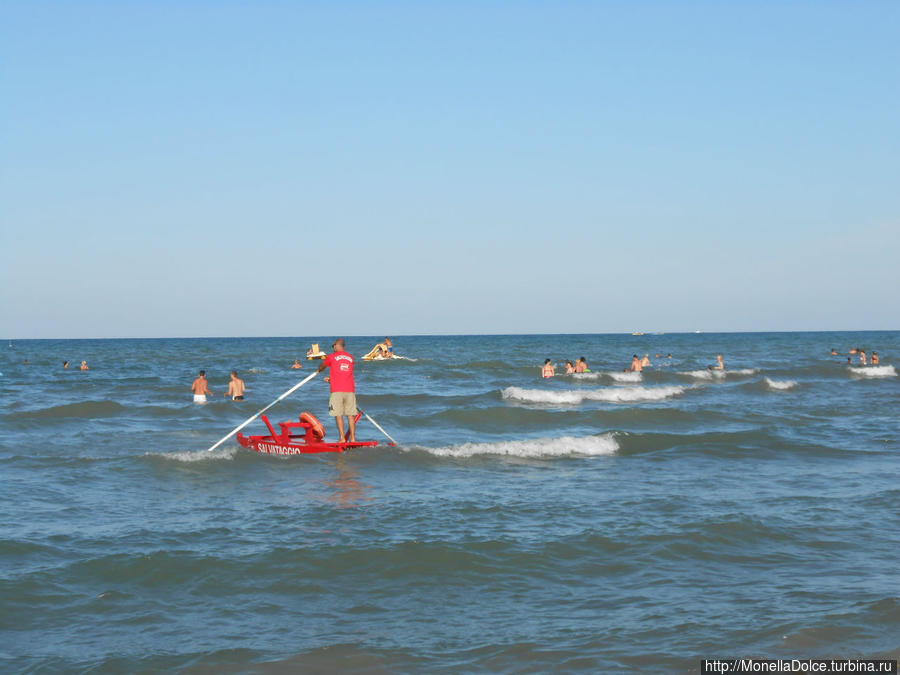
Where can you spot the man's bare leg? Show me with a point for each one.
(340, 423)
(352, 419)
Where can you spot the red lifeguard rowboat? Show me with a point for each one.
(311, 441)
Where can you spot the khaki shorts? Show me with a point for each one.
(342, 403)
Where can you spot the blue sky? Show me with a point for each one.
(289, 168)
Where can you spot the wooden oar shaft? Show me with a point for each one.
(280, 398)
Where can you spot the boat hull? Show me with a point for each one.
(267, 445)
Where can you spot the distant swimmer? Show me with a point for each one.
(581, 366)
(834, 351)
(862, 357)
(570, 368)
(658, 356)
(26, 362)
(636, 365)
(853, 350)
(296, 364)
(84, 365)
(645, 362)
(548, 370)
(721, 364)
(65, 365)
(875, 359)
(343, 389)
(668, 356)
(236, 387)
(201, 388)
(849, 361)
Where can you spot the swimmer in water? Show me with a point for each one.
(236, 387)
(658, 356)
(668, 356)
(65, 365)
(721, 364)
(581, 366)
(833, 351)
(548, 370)
(849, 361)
(84, 365)
(200, 387)
(645, 362)
(853, 351)
(296, 364)
(875, 359)
(636, 365)
(862, 357)
(570, 367)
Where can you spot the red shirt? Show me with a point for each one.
(341, 364)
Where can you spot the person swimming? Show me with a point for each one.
(636, 365)
(84, 365)
(581, 366)
(862, 356)
(65, 365)
(875, 358)
(570, 368)
(296, 364)
(721, 364)
(645, 362)
(548, 370)
(833, 351)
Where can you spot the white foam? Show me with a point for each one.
(197, 455)
(626, 377)
(874, 371)
(567, 446)
(586, 376)
(781, 385)
(705, 374)
(575, 397)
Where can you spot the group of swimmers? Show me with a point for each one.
(200, 388)
(863, 359)
(637, 365)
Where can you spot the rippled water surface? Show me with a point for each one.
(606, 522)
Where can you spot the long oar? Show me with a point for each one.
(378, 426)
(283, 396)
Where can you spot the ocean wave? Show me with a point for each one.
(190, 456)
(718, 374)
(575, 397)
(874, 371)
(567, 446)
(780, 385)
(626, 377)
(84, 409)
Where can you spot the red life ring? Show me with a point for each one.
(317, 428)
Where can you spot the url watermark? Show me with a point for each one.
(823, 666)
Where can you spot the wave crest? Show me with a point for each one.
(567, 446)
(780, 385)
(874, 371)
(575, 397)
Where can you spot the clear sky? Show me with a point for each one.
(290, 168)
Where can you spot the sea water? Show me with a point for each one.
(606, 522)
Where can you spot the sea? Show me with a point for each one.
(608, 522)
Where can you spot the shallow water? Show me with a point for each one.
(604, 522)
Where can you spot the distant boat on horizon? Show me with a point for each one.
(638, 333)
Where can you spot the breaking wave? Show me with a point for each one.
(718, 374)
(874, 371)
(567, 446)
(190, 456)
(626, 377)
(780, 385)
(575, 397)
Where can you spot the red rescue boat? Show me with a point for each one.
(310, 440)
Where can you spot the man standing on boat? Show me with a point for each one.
(343, 389)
